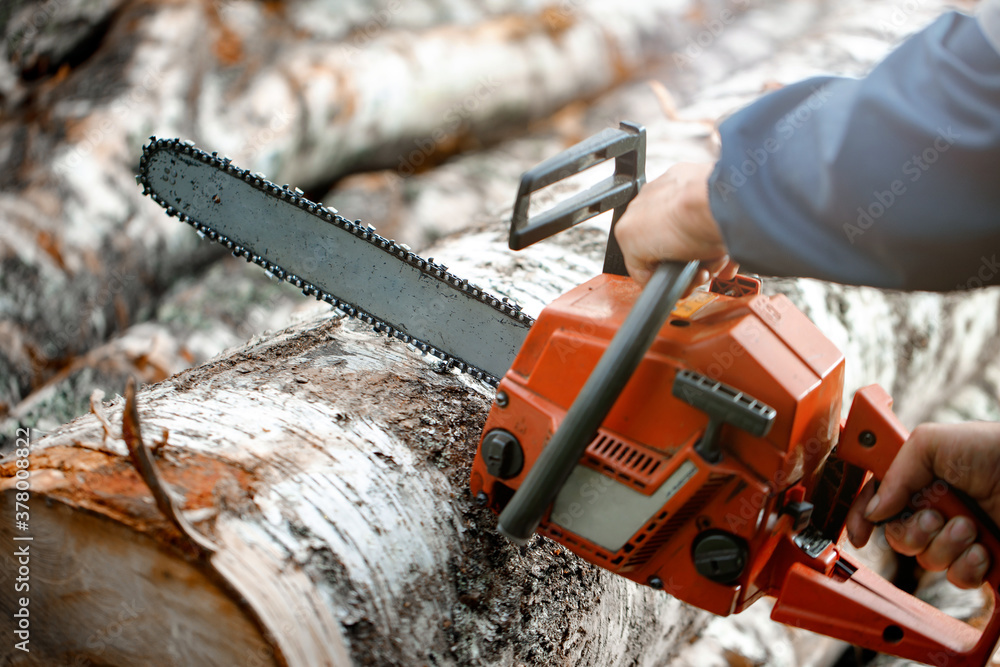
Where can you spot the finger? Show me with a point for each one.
(715, 266)
(730, 270)
(638, 272)
(910, 471)
(948, 544)
(859, 529)
(700, 278)
(969, 570)
(913, 535)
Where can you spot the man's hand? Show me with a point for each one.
(966, 456)
(670, 219)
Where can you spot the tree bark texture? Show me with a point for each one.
(329, 465)
(303, 91)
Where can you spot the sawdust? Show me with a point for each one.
(510, 605)
(512, 600)
(259, 357)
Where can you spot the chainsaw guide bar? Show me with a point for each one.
(340, 262)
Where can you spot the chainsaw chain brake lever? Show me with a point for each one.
(627, 146)
(863, 608)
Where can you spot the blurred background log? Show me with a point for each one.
(303, 91)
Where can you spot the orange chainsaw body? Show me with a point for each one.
(644, 503)
(760, 343)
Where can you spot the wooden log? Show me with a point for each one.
(892, 323)
(331, 464)
(305, 94)
(935, 353)
(328, 468)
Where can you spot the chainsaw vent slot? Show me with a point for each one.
(655, 534)
(631, 464)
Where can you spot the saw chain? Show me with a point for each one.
(364, 232)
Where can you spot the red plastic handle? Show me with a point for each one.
(865, 609)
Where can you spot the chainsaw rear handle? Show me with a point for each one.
(624, 353)
(627, 146)
(863, 608)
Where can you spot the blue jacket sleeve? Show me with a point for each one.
(892, 180)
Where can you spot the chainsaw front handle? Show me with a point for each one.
(862, 607)
(627, 146)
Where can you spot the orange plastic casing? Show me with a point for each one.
(754, 494)
(762, 345)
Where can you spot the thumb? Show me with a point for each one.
(910, 471)
(640, 273)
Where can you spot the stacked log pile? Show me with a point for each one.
(304, 92)
(327, 466)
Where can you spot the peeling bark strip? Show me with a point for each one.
(330, 469)
(142, 460)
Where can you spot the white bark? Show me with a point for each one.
(397, 535)
(329, 468)
(306, 94)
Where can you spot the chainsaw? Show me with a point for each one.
(692, 444)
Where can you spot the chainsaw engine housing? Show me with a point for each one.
(737, 401)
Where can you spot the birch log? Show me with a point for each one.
(329, 468)
(304, 91)
(905, 342)
(935, 353)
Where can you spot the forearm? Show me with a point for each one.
(892, 180)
